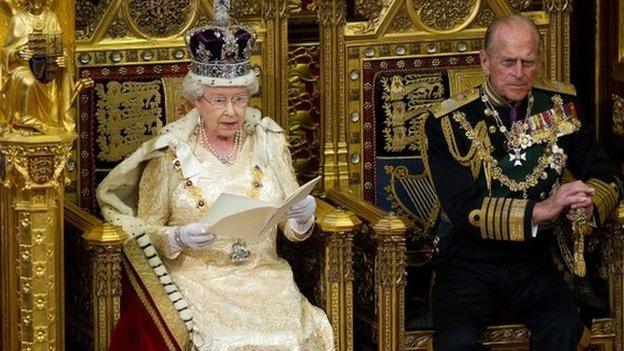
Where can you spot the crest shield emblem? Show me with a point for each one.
(46, 48)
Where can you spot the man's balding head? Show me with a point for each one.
(511, 56)
(509, 21)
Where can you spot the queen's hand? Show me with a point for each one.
(193, 236)
(303, 210)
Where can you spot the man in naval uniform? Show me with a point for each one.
(496, 154)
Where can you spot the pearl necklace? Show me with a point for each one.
(223, 158)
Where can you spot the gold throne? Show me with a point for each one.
(394, 61)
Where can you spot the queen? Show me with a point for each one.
(230, 295)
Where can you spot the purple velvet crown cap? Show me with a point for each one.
(220, 52)
(214, 43)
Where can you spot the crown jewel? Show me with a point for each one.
(221, 50)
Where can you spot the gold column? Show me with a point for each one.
(106, 242)
(390, 282)
(32, 172)
(332, 21)
(559, 39)
(339, 226)
(275, 84)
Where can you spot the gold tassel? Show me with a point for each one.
(580, 228)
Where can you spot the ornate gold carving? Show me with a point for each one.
(41, 168)
(118, 28)
(304, 111)
(484, 17)
(364, 288)
(37, 90)
(29, 161)
(402, 22)
(176, 106)
(339, 290)
(507, 334)
(417, 340)
(464, 79)
(245, 8)
(127, 113)
(520, 5)
(618, 115)
(406, 99)
(390, 287)
(30, 239)
(164, 19)
(374, 18)
(88, 14)
(557, 5)
(369, 9)
(444, 16)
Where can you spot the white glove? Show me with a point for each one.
(193, 236)
(303, 210)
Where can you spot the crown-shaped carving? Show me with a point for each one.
(221, 50)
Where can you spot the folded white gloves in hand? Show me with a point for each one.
(303, 210)
(193, 236)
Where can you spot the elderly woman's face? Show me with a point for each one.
(223, 109)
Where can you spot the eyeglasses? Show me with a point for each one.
(218, 101)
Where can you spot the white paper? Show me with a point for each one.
(245, 218)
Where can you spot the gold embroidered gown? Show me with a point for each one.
(254, 305)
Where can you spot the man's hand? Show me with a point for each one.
(577, 194)
(588, 208)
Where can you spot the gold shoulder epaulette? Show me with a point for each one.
(451, 104)
(555, 86)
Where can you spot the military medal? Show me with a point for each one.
(517, 139)
(517, 157)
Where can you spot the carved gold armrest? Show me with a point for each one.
(338, 227)
(390, 258)
(105, 241)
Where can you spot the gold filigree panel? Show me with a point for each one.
(406, 99)
(176, 105)
(618, 115)
(244, 8)
(127, 114)
(88, 14)
(521, 5)
(160, 19)
(464, 79)
(485, 16)
(304, 109)
(402, 22)
(443, 16)
(369, 9)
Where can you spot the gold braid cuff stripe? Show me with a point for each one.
(497, 173)
(502, 218)
(605, 198)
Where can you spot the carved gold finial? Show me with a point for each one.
(105, 234)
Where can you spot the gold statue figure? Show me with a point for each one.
(37, 83)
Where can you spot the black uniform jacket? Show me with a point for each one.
(487, 206)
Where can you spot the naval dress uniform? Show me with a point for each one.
(491, 163)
